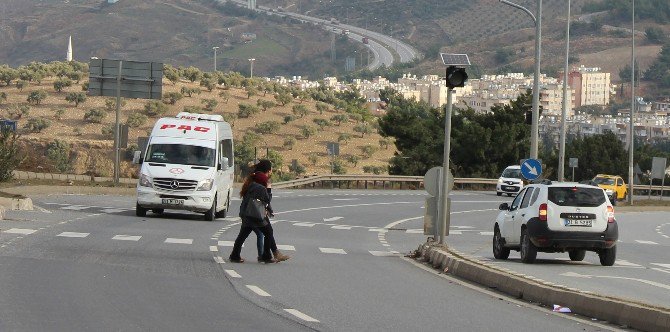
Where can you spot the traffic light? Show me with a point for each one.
(456, 77)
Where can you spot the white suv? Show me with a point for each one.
(510, 181)
(557, 217)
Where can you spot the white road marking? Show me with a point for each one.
(233, 274)
(621, 262)
(383, 253)
(414, 231)
(304, 224)
(24, 231)
(41, 209)
(661, 270)
(345, 199)
(75, 207)
(350, 205)
(667, 266)
(645, 242)
(333, 251)
(332, 219)
(285, 247)
(127, 237)
(219, 259)
(301, 315)
(73, 234)
(113, 210)
(226, 243)
(644, 281)
(380, 230)
(258, 291)
(455, 232)
(341, 227)
(486, 233)
(179, 241)
(213, 248)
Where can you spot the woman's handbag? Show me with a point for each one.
(256, 211)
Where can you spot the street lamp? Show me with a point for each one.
(536, 79)
(631, 131)
(561, 152)
(251, 69)
(215, 48)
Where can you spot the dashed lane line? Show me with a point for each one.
(333, 251)
(301, 315)
(127, 237)
(178, 241)
(645, 242)
(233, 274)
(258, 291)
(24, 231)
(219, 259)
(73, 234)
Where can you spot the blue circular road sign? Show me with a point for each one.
(531, 169)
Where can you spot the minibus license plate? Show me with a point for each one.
(579, 223)
(172, 201)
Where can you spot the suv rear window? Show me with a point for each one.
(576, 196)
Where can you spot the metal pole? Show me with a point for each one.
(631, 132)
(537, 19)
(444, 212)
(536, 83)
(116, 126)
(215, 48)
(564, 113)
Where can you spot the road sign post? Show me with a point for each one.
(573, 164)
(531, 169)
(133, 80)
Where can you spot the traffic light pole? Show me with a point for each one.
(444, 212)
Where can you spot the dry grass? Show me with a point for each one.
(93, 150)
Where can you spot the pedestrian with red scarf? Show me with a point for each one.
(257, 187)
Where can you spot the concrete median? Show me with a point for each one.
(618, 311)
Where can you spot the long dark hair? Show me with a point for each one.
(263, 166)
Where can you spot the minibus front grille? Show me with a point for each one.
(175, 184)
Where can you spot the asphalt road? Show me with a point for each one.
(87, 263)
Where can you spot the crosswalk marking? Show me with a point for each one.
(342, 227)
(226, 243)
(127, 237)
(645, 242)
(24, 231)
(333, 251)
(622, 262)
(73, 234)
(285, 247)
(384, 253)
(414, 231)
(304, 224)
(455, 232)
(179, 241)
(233, 274)
(486, 233)
(213, 248)
(114, 210)
(219, 259)
(380, 230)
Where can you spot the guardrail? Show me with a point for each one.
(349, 181)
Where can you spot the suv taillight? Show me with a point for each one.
(610, 214)
(543, 212)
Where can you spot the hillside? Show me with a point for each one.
(91, 147)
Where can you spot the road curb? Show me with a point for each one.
(15, 203)
(69, 190)
(617, 311)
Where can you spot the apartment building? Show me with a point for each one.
(591, 87)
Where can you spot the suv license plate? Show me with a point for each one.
(579, 222)
(172, 201)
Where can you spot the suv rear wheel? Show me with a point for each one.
(528, 249)
(607, 256)
(577, 255)
(499, 251)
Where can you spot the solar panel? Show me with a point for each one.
(451, 59)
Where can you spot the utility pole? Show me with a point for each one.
(564, 113)
(631, 130)
(215, 48)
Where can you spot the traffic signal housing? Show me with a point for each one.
(456, 77)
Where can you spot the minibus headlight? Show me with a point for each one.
(206, 185)
(145, 181)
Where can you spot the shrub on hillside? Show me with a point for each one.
(172, 97)
(268, 127)
(58, 152)
(247, 110)
(10, 155)
(108, 131)
(288, 118)
(76, 98)
(136, 120)
(36, 97)
(94, 115)
(36, 125)
(155, 108)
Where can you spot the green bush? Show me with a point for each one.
(247, 110)
(108, 131)
(268, 127)
(36, 125)
(155, 108)
(136, 120)
(36, 96)
(289, 142)
(58, 152)
(10, 155)
(94, 115)
(172, 97)
(338, 167)
(62, 83)
(288, 118)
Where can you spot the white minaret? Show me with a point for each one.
(69, 49)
